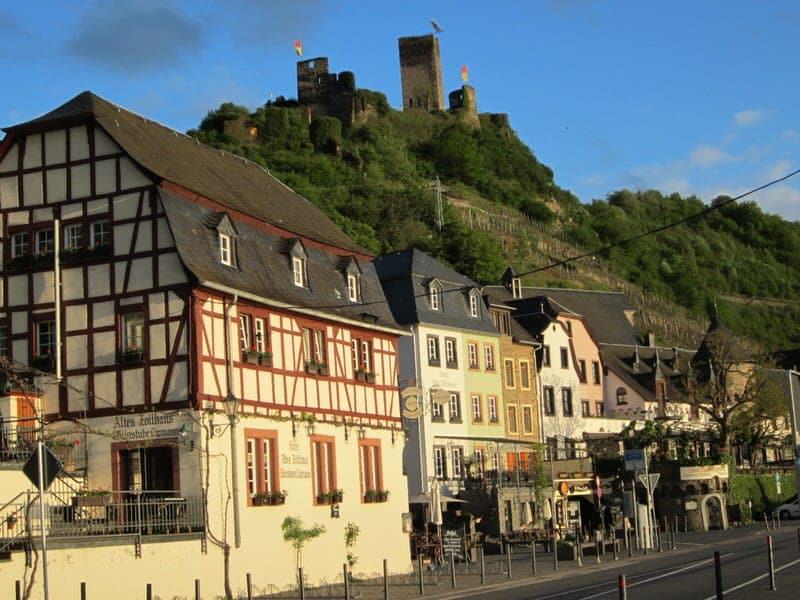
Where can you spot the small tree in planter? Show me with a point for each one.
(351, 533)
(299, 536)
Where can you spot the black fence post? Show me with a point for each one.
(614, 547)
(249, 587)
(302, 583)
(149, 591)
(533, 556)
(385, 579)
(622, 585)
(718, 575)
(83, 590)
(771, 563)
(421, 575)
(453, 571)
(508, 559)
(346, 582)
(483, 563)
(197, 590)
(598, 547)
(798, 537)
(554, 548)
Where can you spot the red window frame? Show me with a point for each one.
(262, 486)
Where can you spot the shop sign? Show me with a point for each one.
(295, 465)
(705, 472)
(149, 426)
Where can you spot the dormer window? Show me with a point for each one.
(473, 305)
(435, 296)
(353, 287)
(226, 249)
(299, 271)
(516, 287)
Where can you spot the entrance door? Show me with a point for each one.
(149, 469)
(714, 513)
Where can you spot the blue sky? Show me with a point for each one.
(693, 97)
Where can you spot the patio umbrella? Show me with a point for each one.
(527, 514)
(436, 504)
(547, 511)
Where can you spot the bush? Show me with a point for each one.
(326, 134)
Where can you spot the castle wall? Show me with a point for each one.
(421, 73)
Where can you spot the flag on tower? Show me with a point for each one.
(465, 73)
(298, 47)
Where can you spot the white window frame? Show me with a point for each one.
(260, 335)
(450, 351)
(435, 296)
(226, 249)
(457, 460)
(45, 243)
(491, 403)
(245, 323)
(436, 410)
(516, 288)
(20, 244)
(299, 271)
(433, 349)
(454, 406)
(479, 462)
(99, 233)
(472, 350)
(439, 462)
(477, 408)
(488, 356)
(473, 305)
(130, 338)
(353, 287)
(50, 344)
(73, 236)
(495, 461)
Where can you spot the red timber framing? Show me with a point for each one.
(163, 299)
(287, 389)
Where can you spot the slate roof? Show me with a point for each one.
(406, 275)
(622, 360)
(264, 266)
(220, 176)
(603, 311)
(518, 332)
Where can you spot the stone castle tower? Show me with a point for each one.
(421, 73)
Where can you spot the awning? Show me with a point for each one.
(426, 499)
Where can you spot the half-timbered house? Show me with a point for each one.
(219, 349)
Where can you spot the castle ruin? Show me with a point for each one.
(421, 73)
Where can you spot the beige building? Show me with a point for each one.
(206, 370)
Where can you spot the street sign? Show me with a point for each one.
(635, 459)
(51, 467)
(650, 481)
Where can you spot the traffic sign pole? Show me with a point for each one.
(43, 515)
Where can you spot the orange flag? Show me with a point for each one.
(298, 47)
(465, 73)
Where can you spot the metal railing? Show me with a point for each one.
(109, 513)
(18, 438)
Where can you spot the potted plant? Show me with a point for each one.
(383, 495)
(21, 261)
(11, 521)
(322, 368)
(370, 377)
(132, 355)
(71, 255)
(361, 375)
(312, 368)
(265, 358)
(336, 496)
(251, 356)
(42, 259)
(278, 497)
(370, 496)
(260, 499)
(43, 362)
(324, 498)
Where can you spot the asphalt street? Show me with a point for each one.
(686, 573)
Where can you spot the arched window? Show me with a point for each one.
(622, 396)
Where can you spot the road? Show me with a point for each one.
(687, 573)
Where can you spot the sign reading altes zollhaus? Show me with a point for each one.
(704, 472)
(150, 426)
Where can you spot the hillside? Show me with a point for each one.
(501, 205)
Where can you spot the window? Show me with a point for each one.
(472, 350)
(371, 466)
(45, 338)
(512, 418)
(501, 322)
(225, 249)
(314, 345)
(450, 353)
(545, 356)
(73, 236)
(478, 463)
(527, 419)
(245, 324)
(299, 271)
(457, 454)
(516, 287)
(477, 408)
(509, 372)
(19, 244)
(564, 358)
(353, 287)
(566, 401)
(433, 351)
(262, 462)
(3, 340)
(261, 336)
(133, 330)
(596, 372)
(622, 396)
(525, 374)
(361, 352)
(488, 351)
(455, 408)
(568, 325)
(572, 448)
(439, 462)
(585, 412)
(582, 370)
(473, 305)
(492, 408)
(323, 459)
(99, 234)
(436, 409)
(435, 296)
(45, 242)
(495, 461)
(599, 409)
(549, 401)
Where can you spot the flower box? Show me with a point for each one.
(251, 358)
(43, 362)
(92, 499)
(370, 377)
(71, 256)
(100, 251)
(361, 375)
(322, 369)
(131, 356)
(43, 259)
(19, 263)
(374, 496)
(332, 497)
(312, 368)
(265, 359)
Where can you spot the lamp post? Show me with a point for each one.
(231, 407)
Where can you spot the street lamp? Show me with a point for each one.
(231, 407)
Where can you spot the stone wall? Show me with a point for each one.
(421, 73)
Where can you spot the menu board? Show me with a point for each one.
(453, 543)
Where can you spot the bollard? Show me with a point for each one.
(197, 590)
(625, 531)
(249, 587)
(597, 548)
(798, 537)
(421, 577)
(771, 562)
(616, 550)
(555, 552)
(483, 567)
(508, 559)
(83, 590)
(778, 520)
(18, 589)
(623, 587)
(302, 583)
(685, 523)
(346, 582)
(453, 571)
(658, 540)
(385, 579)
(149, 591)
(766, 523)
(718, 575)
(675, 528)
(533, 556)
